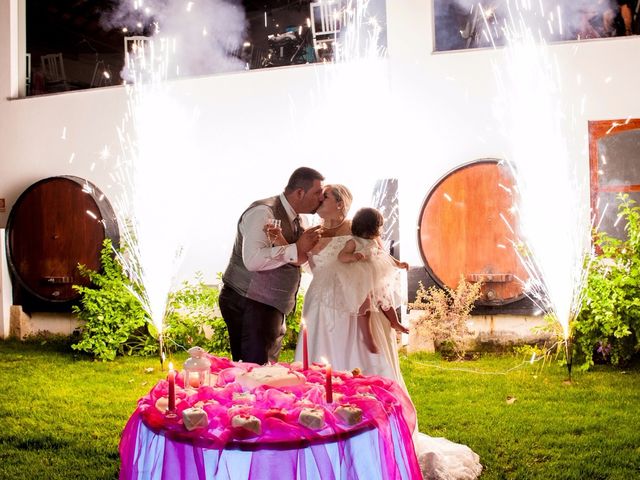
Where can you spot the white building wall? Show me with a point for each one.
(418, 116)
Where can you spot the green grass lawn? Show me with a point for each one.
(61, 414)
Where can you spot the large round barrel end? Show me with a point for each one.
(466, 231)
(56, 224)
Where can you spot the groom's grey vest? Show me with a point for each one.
(276, 287)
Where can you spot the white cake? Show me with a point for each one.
(311, 418)
(272, 375)
(249, 423)
(348, 414)
(194, 418)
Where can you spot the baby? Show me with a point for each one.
(371, 283)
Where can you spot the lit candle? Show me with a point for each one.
(305, 347)
(328, 381)
(171, 378)
(194, 379)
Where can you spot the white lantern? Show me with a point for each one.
(197, 368)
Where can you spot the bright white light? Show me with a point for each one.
(157, 132)
(554, 218)
(105, 153)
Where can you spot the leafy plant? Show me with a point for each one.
(111, 312)
(193, 319)
(293, 323)
(115, 322)
(445, 316)
(608, 327)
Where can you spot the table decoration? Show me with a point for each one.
(305, 346)
(197, 368)
(227, 416)
(171, 379)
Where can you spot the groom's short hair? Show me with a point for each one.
(303, 178)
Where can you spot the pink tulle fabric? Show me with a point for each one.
(382, 401)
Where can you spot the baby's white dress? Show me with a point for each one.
(376, 277)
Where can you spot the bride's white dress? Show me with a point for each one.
(333, 336)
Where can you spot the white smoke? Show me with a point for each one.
(207, 34)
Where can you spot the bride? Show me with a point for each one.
(334, 336)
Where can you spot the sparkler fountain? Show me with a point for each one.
(155, 133)
(160, 171)
(551, 197)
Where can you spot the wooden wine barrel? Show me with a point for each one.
(461, 231)
(56, 224)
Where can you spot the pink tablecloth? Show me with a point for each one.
(379, 447)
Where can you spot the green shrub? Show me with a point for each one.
(111, 312)
(115, 322)
(608, 327)
(193, 319)
(293, 324)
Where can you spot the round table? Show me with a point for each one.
(379, 446)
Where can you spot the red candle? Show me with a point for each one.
(329, 384)
(305, 347)
(171, 378)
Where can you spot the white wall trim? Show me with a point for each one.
(6, 295)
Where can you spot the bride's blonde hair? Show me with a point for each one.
(341, 194)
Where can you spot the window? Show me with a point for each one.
(81, 44)
(464, 24)
(614, 155)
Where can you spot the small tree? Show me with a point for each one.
(445, 316)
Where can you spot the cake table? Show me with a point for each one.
(254, 422)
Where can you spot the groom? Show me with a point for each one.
(261, 281)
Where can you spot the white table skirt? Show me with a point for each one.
(358, 457)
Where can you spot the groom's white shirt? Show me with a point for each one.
(257, 252)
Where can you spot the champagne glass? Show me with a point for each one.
(273, 224)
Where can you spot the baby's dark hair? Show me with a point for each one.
(366, 223)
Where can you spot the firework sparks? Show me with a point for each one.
(158, 204)
(553, 239)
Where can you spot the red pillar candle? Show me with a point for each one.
(329, 383)
(305, 347)
(171, 378)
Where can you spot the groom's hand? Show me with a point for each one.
(308, 239)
